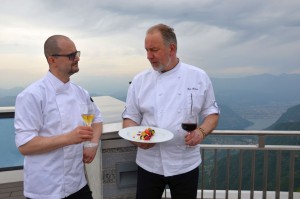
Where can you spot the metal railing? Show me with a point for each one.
(213, 155)
(7, 112)
(246, 156)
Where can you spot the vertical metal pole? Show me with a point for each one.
(292, 173)
(215, 172)
(261, 141)
(252, 174)
(227, 173)
(203, 172)
(240, 174)
(278, 175)
(265, 175)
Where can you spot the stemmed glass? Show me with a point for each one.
(87, 115)
(189, 122)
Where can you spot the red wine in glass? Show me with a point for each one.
(189, 126)
(189, 123)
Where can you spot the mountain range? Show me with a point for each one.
(290, 120)
(262, 89)
(239, 99)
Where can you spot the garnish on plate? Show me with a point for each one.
(146, 134)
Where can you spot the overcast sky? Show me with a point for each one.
(226, 38)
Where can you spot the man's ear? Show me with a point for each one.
(173, 49)
(51, 60)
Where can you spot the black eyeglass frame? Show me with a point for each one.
(71, 56)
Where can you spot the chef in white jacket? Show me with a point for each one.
(162, 96)
(49, 129)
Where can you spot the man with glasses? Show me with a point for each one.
(49, 129)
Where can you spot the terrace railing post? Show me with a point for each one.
(261, 141)
(215, 171)
(265, 174)
(292, 173)
(202, 172)
(278, 174)
(252, 174)
(227, 173)
(240, 174)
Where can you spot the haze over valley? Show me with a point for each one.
(252, 102)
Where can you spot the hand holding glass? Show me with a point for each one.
(87, 114)
(189, 123)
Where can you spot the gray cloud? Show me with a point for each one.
(230, 37)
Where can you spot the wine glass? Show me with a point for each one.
(87, 115)
(190, 120)
(189, 123)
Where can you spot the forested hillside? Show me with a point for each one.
(289, 121)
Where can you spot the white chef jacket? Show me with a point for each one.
(48, 108)
(162, 100)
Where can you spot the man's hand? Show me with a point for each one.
(193, 138)
(89, 154)
(197, 136)
(81, 134)
(143, 145)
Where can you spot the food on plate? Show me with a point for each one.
(146, 134)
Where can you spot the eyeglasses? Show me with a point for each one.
(71, 56)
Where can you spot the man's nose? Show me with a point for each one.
(149, 55)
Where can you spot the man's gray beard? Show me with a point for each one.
(162, 67)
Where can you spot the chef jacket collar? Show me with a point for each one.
(58, 85)
(173, 70)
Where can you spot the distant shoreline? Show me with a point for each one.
(260, 124)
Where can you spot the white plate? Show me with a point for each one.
(130, 133)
